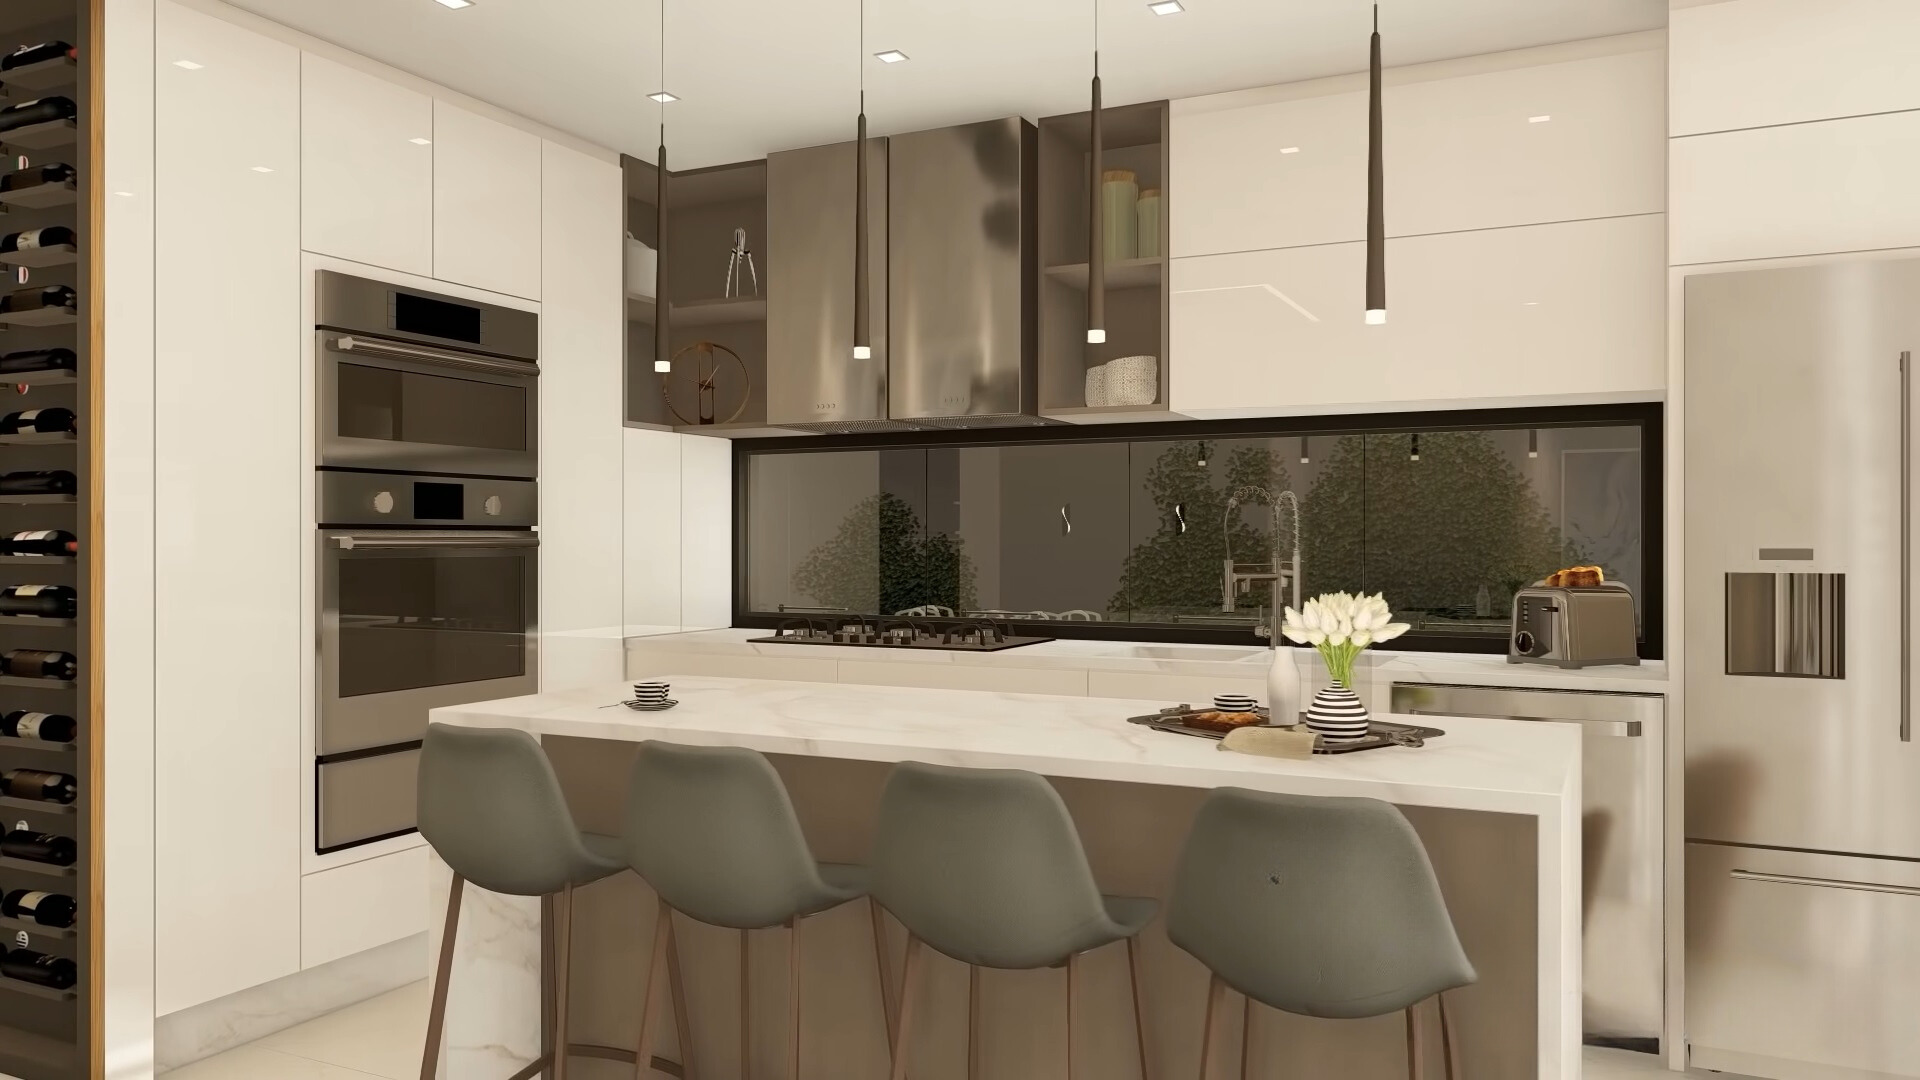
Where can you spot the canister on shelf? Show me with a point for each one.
(1148, 215)
(1120, 191)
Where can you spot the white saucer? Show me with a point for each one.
(638, 706)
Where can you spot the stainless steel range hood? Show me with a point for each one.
(955, 326)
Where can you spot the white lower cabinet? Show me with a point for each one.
(227, 535)
(1561, 313)
(363, 905)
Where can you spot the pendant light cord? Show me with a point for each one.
(662, 105)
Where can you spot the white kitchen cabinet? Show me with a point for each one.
(1803, 189)
(652, 530)
(1561, 313)
(1286, 167)
(363, 905)
(367, 167)
(581, 378)
(1754, 63)
(706, 530)
(487, 205)
(228, 536)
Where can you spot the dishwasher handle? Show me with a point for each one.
(1824, 883)
(1625, 729)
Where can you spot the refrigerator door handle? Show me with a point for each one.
(1906, 547)
(1825, 883)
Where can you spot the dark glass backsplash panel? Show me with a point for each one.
(1446, 523)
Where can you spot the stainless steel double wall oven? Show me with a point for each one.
(427, 557)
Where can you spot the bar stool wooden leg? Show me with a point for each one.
(562, 966)
(909, 994)
(1073, 994)
(1447, 1040)
(682, 1023)
(880, 961)
(1216, 996)
(1416, 1040)
(1139, 1014)
(643, 1053)
(1246, 1034)
(746, 1010)
(549, 930)
(437, 1016)
(793, 995)
(973, 1022)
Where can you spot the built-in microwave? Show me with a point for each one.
(419, 382)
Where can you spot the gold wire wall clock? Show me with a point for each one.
(702, 380)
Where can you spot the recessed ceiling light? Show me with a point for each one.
(1541, 119)
(418, 141)
(1166, 7)
(662, 97)
(188, 64)
(890, 56)
(261, 168)
(455, 4)
(1289, 149)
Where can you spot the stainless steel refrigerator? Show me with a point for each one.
(1803, 769)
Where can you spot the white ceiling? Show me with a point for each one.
(762, 75)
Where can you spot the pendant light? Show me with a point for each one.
(862, 340)
(1376, 215)
(1096, 220)
(662, 351)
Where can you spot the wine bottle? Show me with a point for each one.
(51, 296)
(39, 786)
(39, 601)
(40, 969)
(35, 54)
(38, 847)
(37, 421)
(39, 542)
(35, 175)
(26, 361)
(45, 727)
(47, 909)
(39, 664)
(31, 239)
(37, 111)
(44, 482)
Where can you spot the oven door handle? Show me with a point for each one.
(396, 542)
(492, 365)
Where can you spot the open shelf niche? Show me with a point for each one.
(1135, 137)
(704, 207)
(48, 1033)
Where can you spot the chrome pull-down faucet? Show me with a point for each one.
(1238, 579)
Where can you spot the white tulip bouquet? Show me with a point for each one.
(1339, 625)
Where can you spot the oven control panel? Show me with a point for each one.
(366, 498)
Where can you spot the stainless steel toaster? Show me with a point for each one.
(1573, 627)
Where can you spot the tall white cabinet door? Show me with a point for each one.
(582, 347)
(227, 538)
(486, 203)
(367, 168)
(1562, 313)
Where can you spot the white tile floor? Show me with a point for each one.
(381, 1038)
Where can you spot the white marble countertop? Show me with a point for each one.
(1243, 661)
(1501, 766)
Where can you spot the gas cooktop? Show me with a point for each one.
(901, 632)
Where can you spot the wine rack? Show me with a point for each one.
(51, 1032)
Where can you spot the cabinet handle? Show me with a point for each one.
(1825, 883)
(1906, 547)
(1066, 520)
(1626, 729)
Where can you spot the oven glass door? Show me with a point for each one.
(412, 620)
(390, 405)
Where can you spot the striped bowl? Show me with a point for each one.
(1336, 714)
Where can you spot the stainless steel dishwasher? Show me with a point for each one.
(1623, 826)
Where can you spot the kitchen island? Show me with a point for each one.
(1496, 801)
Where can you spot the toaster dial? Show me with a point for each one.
(1524, 644)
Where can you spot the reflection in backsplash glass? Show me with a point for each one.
(1447, 524)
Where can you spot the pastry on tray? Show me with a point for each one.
(1222, 721)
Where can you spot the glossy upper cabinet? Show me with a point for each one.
(1538, 314)
(486, 203)
(1761, 62)
(1286, 166)
(367, 166)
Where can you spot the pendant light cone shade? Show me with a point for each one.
(862, 341)
(1376, 212)
(1096, 219)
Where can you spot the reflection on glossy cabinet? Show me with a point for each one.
(1845, 58)
(366, 168)
(1560, 141)
(227, 539)
(486, 203)
(1566, 312)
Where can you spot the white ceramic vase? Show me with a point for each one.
(1283, 687)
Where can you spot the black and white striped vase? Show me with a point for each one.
(1336, 714)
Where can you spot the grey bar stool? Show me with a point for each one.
(492, 808)
(713, 831)
(985, 865)
(1322, 907)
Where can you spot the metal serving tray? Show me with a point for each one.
(1172, 720)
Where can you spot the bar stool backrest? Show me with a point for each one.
(492, 808)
